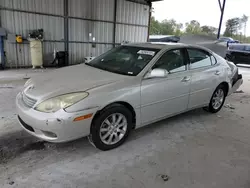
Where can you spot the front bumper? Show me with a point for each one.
(53, 127)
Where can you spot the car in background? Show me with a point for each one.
(126, 88)
(164, 38)
(228, 40)
(238, 53)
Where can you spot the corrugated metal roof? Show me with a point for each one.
(143, 1)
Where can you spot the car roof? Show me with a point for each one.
(158, 45)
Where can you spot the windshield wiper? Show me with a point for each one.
(89, 64)
(110, 70)
(98, 67)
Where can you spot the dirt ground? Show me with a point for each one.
(195, 149)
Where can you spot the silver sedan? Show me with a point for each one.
(124, 89)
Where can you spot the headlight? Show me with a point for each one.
(61, 102)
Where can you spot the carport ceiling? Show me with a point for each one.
(146, 1)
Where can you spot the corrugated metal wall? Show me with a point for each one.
(84, 17)
(17, 22)
(102, 10)
(132, 13)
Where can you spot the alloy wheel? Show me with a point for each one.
(218, 99)
(113, 129)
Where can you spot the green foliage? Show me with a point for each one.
(193, 27)
(244, 21)
(241, 38)
(155, 27)
(209, 30)
(232, 26)
(166, 27)
(171, 27)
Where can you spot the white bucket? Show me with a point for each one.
(36, 53)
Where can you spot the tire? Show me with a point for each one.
(104, 125)
(216, 108)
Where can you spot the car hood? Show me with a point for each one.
(71, 79)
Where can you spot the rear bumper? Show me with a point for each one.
(236, 83)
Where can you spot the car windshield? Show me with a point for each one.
(126, 60)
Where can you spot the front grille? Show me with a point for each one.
(25, 125)
(29, 102)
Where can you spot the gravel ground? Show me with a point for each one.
(195, 149)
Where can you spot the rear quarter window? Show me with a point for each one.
(213, 60)
(199, 58)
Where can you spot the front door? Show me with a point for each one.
(162, 97)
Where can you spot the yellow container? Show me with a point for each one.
(19, 39)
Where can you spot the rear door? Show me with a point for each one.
(206, 76)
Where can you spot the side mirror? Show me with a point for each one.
(157, 73)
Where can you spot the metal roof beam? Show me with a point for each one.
(222, 9)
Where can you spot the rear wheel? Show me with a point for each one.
(217, 100)
(111, 127)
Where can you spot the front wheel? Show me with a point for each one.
(111, 127)
(217, 100)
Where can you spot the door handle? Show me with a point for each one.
(217, 72)
(186, 79)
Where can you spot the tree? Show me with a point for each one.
(232, 26)
(172, 27)
(193, 27)
(208, 30)
(178, 29)
(155, 26)
(244, 21)
(166, 27)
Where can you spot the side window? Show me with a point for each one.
(172, 61)
(198, 58)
